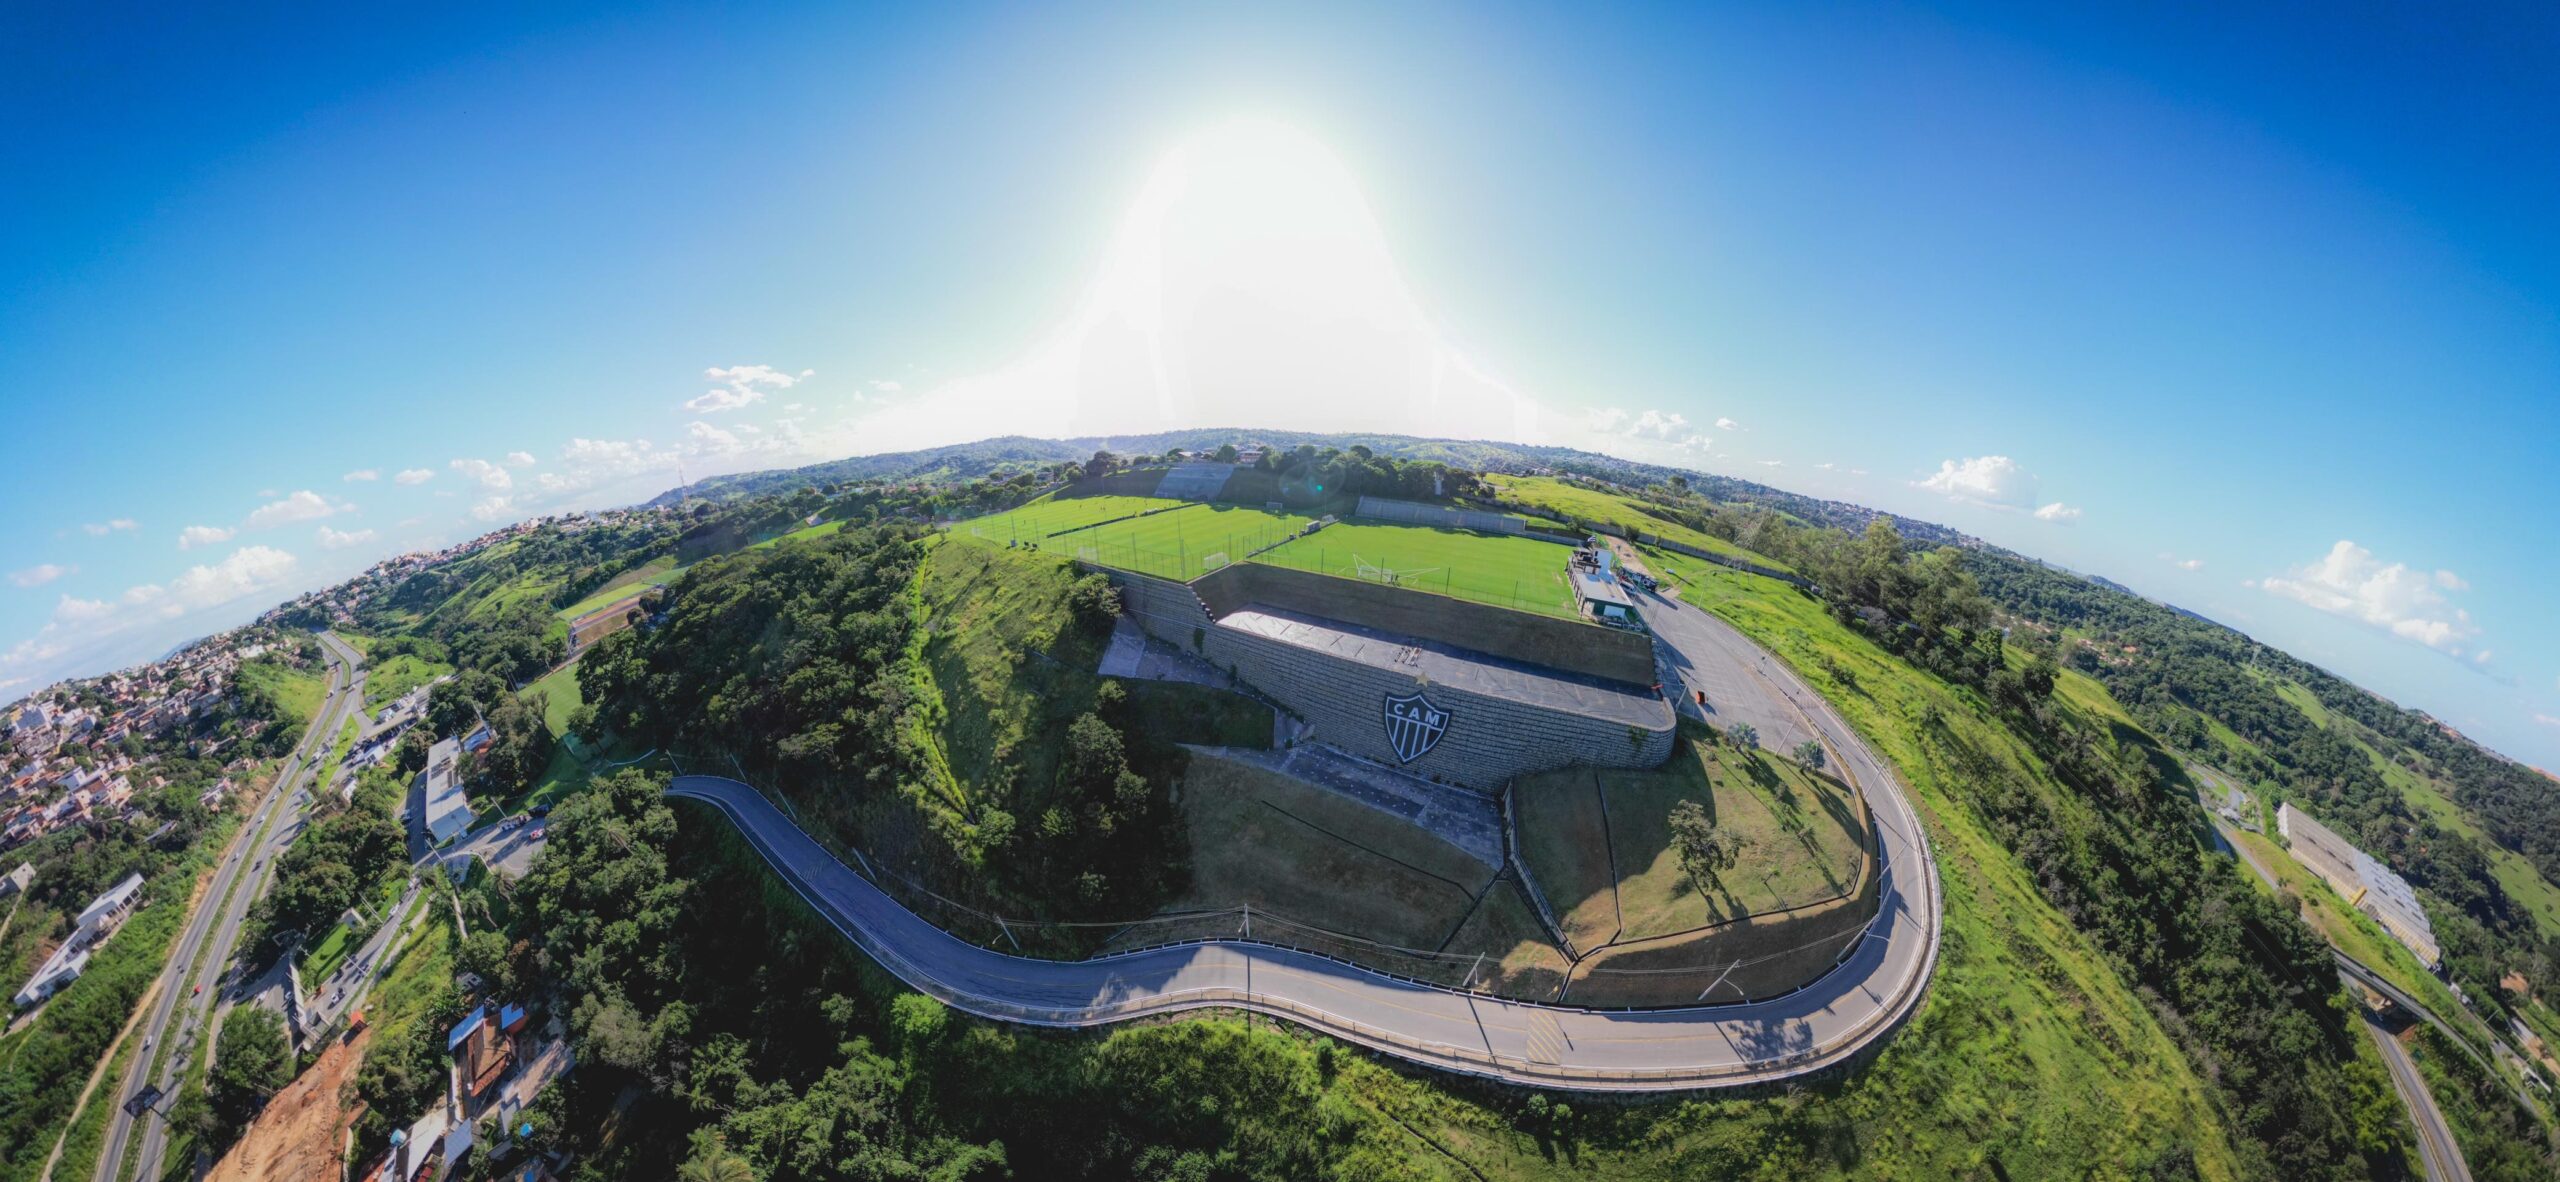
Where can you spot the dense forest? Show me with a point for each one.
(2184, 671)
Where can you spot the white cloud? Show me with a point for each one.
(519, 459)
(489, 475)
(588, 463)
(1723, 424)
(304, 505)
(2349, 581)
(755, 375)
(1647, 429)
(711, 438)
(40, 574)
(100, 529)
(2057, 511)
(2451, 581)
(714, 401)
(2546, 720)
(886, 387)
(249, 570)
(331, 539)
(1996, 481)
(489, 508)
(1773, 463)
(741, 385)
(77, 623)
(204, 535)
(362, 474)
(2190, 564)
(414, 476)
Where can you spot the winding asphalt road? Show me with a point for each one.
(194, 992)
(1866, 996)
(2437, 1151)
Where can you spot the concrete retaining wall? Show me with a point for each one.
(1417, 513)
(1587, 649)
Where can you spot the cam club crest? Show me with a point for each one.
(1414, 726)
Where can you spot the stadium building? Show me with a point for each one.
(2367, 884)
(1462, 692)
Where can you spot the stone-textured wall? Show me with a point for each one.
(1490, 739)
(1165, 609)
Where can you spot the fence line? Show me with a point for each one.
(1230, 926)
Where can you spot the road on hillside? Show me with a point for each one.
(1874, 988)
(2436, 1148)
(214, 928)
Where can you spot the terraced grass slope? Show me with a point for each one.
(1599, 842)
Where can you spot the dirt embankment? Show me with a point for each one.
(302, 1131)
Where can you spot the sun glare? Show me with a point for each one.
(1249, 282)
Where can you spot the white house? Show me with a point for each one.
(447, 812)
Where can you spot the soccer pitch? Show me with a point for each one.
(1503, 571)
(1039, 519)
(1183, 544)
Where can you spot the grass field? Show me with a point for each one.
(1050, 515)
(1183, 543)
(1599, 842)
(561, 697)
(390, 679)
(323, 958)
(1504, 571)
(657, 572)
(298, 691)
(1293, 850)
(1565, 500)
(803, 533)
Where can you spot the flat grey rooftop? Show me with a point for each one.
(1457, 668)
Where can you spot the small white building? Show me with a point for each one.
(17, 880)
(447, 812)
(98, 921)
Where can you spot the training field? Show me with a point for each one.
(1503, 571)
(1182, 544)
(1039, 519)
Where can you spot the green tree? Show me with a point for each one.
(712, 1161)
(251, 1061)
(1809, 753)
(1745, 737)
(1705, 850)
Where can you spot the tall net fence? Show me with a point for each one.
(1416, 570)
(1527, 966)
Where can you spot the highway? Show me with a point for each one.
(212, 932)
(2412, 1087)
(1864, 998)
(2436, 1148)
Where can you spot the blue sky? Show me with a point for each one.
(2215, 291)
